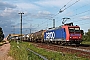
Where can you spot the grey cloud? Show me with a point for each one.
(4, 5)
(8, 16)
(40, 15)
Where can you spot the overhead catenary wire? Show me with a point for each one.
(43, 24)
(51, 18)
(78, 8)
(66, 7)
(66, 4)
(61, 9)
(79, 14)
(81, 18)
(69, 6)
(85, 23)
(38, 27)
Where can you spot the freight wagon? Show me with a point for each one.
(65, 34)
(37, 36)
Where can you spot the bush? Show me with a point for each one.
(1, 34)
(86, 37)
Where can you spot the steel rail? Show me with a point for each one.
(44, 58)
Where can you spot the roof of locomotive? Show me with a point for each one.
(62, 27)
(70, 25)
(53, 28)
(65, 25)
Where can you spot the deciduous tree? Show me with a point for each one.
(1, 34)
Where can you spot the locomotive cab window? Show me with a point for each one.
(77, 30)
(74, 30)
(71, 30)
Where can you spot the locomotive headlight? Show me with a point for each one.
(79, 37)
(70, 37)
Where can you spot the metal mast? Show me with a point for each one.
(21, 25)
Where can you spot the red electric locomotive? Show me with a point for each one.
(73, 33)
(64, 35)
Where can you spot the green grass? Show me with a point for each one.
(20, 52)
(86, 42)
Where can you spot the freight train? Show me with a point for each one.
(65, 34)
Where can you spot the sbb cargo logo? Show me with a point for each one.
(50, 35)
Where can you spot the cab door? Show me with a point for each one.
(63, 33)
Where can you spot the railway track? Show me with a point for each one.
(44, 58)
(80, 51)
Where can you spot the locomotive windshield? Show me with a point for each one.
(74, 30)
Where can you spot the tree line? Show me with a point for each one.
(1, 34)
(86, 36)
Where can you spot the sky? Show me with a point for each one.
(39, 14)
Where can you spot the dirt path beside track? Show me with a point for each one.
(4, 49)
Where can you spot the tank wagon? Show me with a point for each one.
(37, 36)
(65, 34)
(31, 37)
